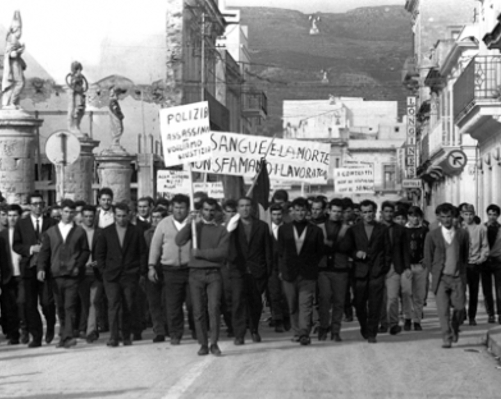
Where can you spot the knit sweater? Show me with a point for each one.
(163, 245)
(479, 246)
(213, 245)
(63, 257)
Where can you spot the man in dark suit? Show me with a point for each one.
(12, 298)
(250, 265)
(121, 256)
(27, 242)
(446, 253)
(278, 302)
(399, 277)
(300, 248)
(369, 246)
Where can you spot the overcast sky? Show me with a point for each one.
(310, 6)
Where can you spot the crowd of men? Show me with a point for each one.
(117, 269)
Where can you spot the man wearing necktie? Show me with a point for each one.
(27, 242)
(446, 252)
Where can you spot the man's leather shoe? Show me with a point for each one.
(204, 350)
(417, 327)
(35, 343)
(49, 336)
(279, 326)
(394, 330)
(25, 337)
(256, 337)
(491, 320)
(295, 338)
(364, 334)
(382, 329)
(407, 325)
(322, 334)
(472, 322)
(175, 341)
(287, 325)
(238, 341)
(336, 337)
(127, 342)
(13, 341)
(93, 336)
(60, 344)
(214, 349)
(371, 340)
(112, 343)
(305, 340)
(447, 345)
(137, 337)
(70, 342)
(159, 338)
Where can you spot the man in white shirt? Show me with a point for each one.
(12, 301)
(105, 216)
(446, 252)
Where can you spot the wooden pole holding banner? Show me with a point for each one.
(302, 189)
(192, 206)
(254, 182)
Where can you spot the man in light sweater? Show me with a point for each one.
(63, 256)
(479, 252)
(446, 257)
(174, 264)
(205, 278)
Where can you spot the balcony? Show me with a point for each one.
(410, 74)
(254, 104)
(477, 97)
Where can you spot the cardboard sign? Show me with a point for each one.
(354, 181)
(291, 160)
(185, 133)
(172, 182)
(213, 189)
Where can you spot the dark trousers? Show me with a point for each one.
(177, 292)
(450, 293)
(247, 302)
(13, 307)
(140, 308)
(206, 289)
(489, 270)
(120, 295)
(66, 293)
(332, 293)
(226, 302)
(84, 297)
(300, 294)
(473, 281)
(278, 302)
(35, 291)
(154, 294)
(348, 299)
(368, 302)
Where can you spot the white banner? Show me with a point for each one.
(185, 133)
(291, 160)
(354, 181)
(172, 182)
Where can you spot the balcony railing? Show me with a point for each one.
(479, 82)
(254, 103)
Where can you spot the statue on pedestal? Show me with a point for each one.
(314, 27)
(13, 71)
(116, 119)
(78, 84)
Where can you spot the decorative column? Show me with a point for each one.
(17, 154)
(115, 172)
(78, 176)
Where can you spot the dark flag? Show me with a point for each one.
(261, 191)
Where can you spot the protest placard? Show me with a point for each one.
(172, 182)
(291, 160)
(354, 181)
(185, 133)
(213, 189)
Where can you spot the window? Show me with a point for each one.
(389, 177)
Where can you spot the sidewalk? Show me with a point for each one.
(494, 341)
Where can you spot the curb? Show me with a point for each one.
(494, 341)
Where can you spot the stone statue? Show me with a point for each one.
(78, 84)
(314, 27)
(116, 116)
(13, 71)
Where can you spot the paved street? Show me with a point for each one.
(410, 365)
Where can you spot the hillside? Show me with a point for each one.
(362, 51)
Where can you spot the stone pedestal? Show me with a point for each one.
(146, 175)
(17, 154)
(115, 172)
(78, 176)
